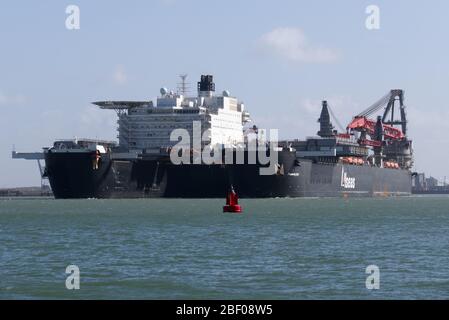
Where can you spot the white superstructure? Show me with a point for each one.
(143, 125)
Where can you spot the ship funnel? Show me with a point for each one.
(326, 127)
(206, 86)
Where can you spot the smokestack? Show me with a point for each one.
(206, 86)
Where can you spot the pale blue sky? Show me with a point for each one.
(280, 57)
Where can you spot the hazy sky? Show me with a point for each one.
(280, 57)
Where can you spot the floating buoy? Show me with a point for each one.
(232, 202)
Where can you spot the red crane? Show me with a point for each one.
(362, 123)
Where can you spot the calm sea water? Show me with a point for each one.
(189, 249)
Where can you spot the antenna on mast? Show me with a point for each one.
(183, 86)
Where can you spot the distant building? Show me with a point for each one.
(419, 182)
(431, 182)
(431, 185)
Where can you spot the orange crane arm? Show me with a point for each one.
(369, 125)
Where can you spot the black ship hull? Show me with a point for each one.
(72, 175)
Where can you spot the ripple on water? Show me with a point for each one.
(181, 249)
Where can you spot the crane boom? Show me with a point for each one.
(389, 142)
(363, 123)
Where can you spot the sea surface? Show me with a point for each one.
(189, 249)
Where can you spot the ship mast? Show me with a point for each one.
(183, 86)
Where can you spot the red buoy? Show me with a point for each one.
(232, 202)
